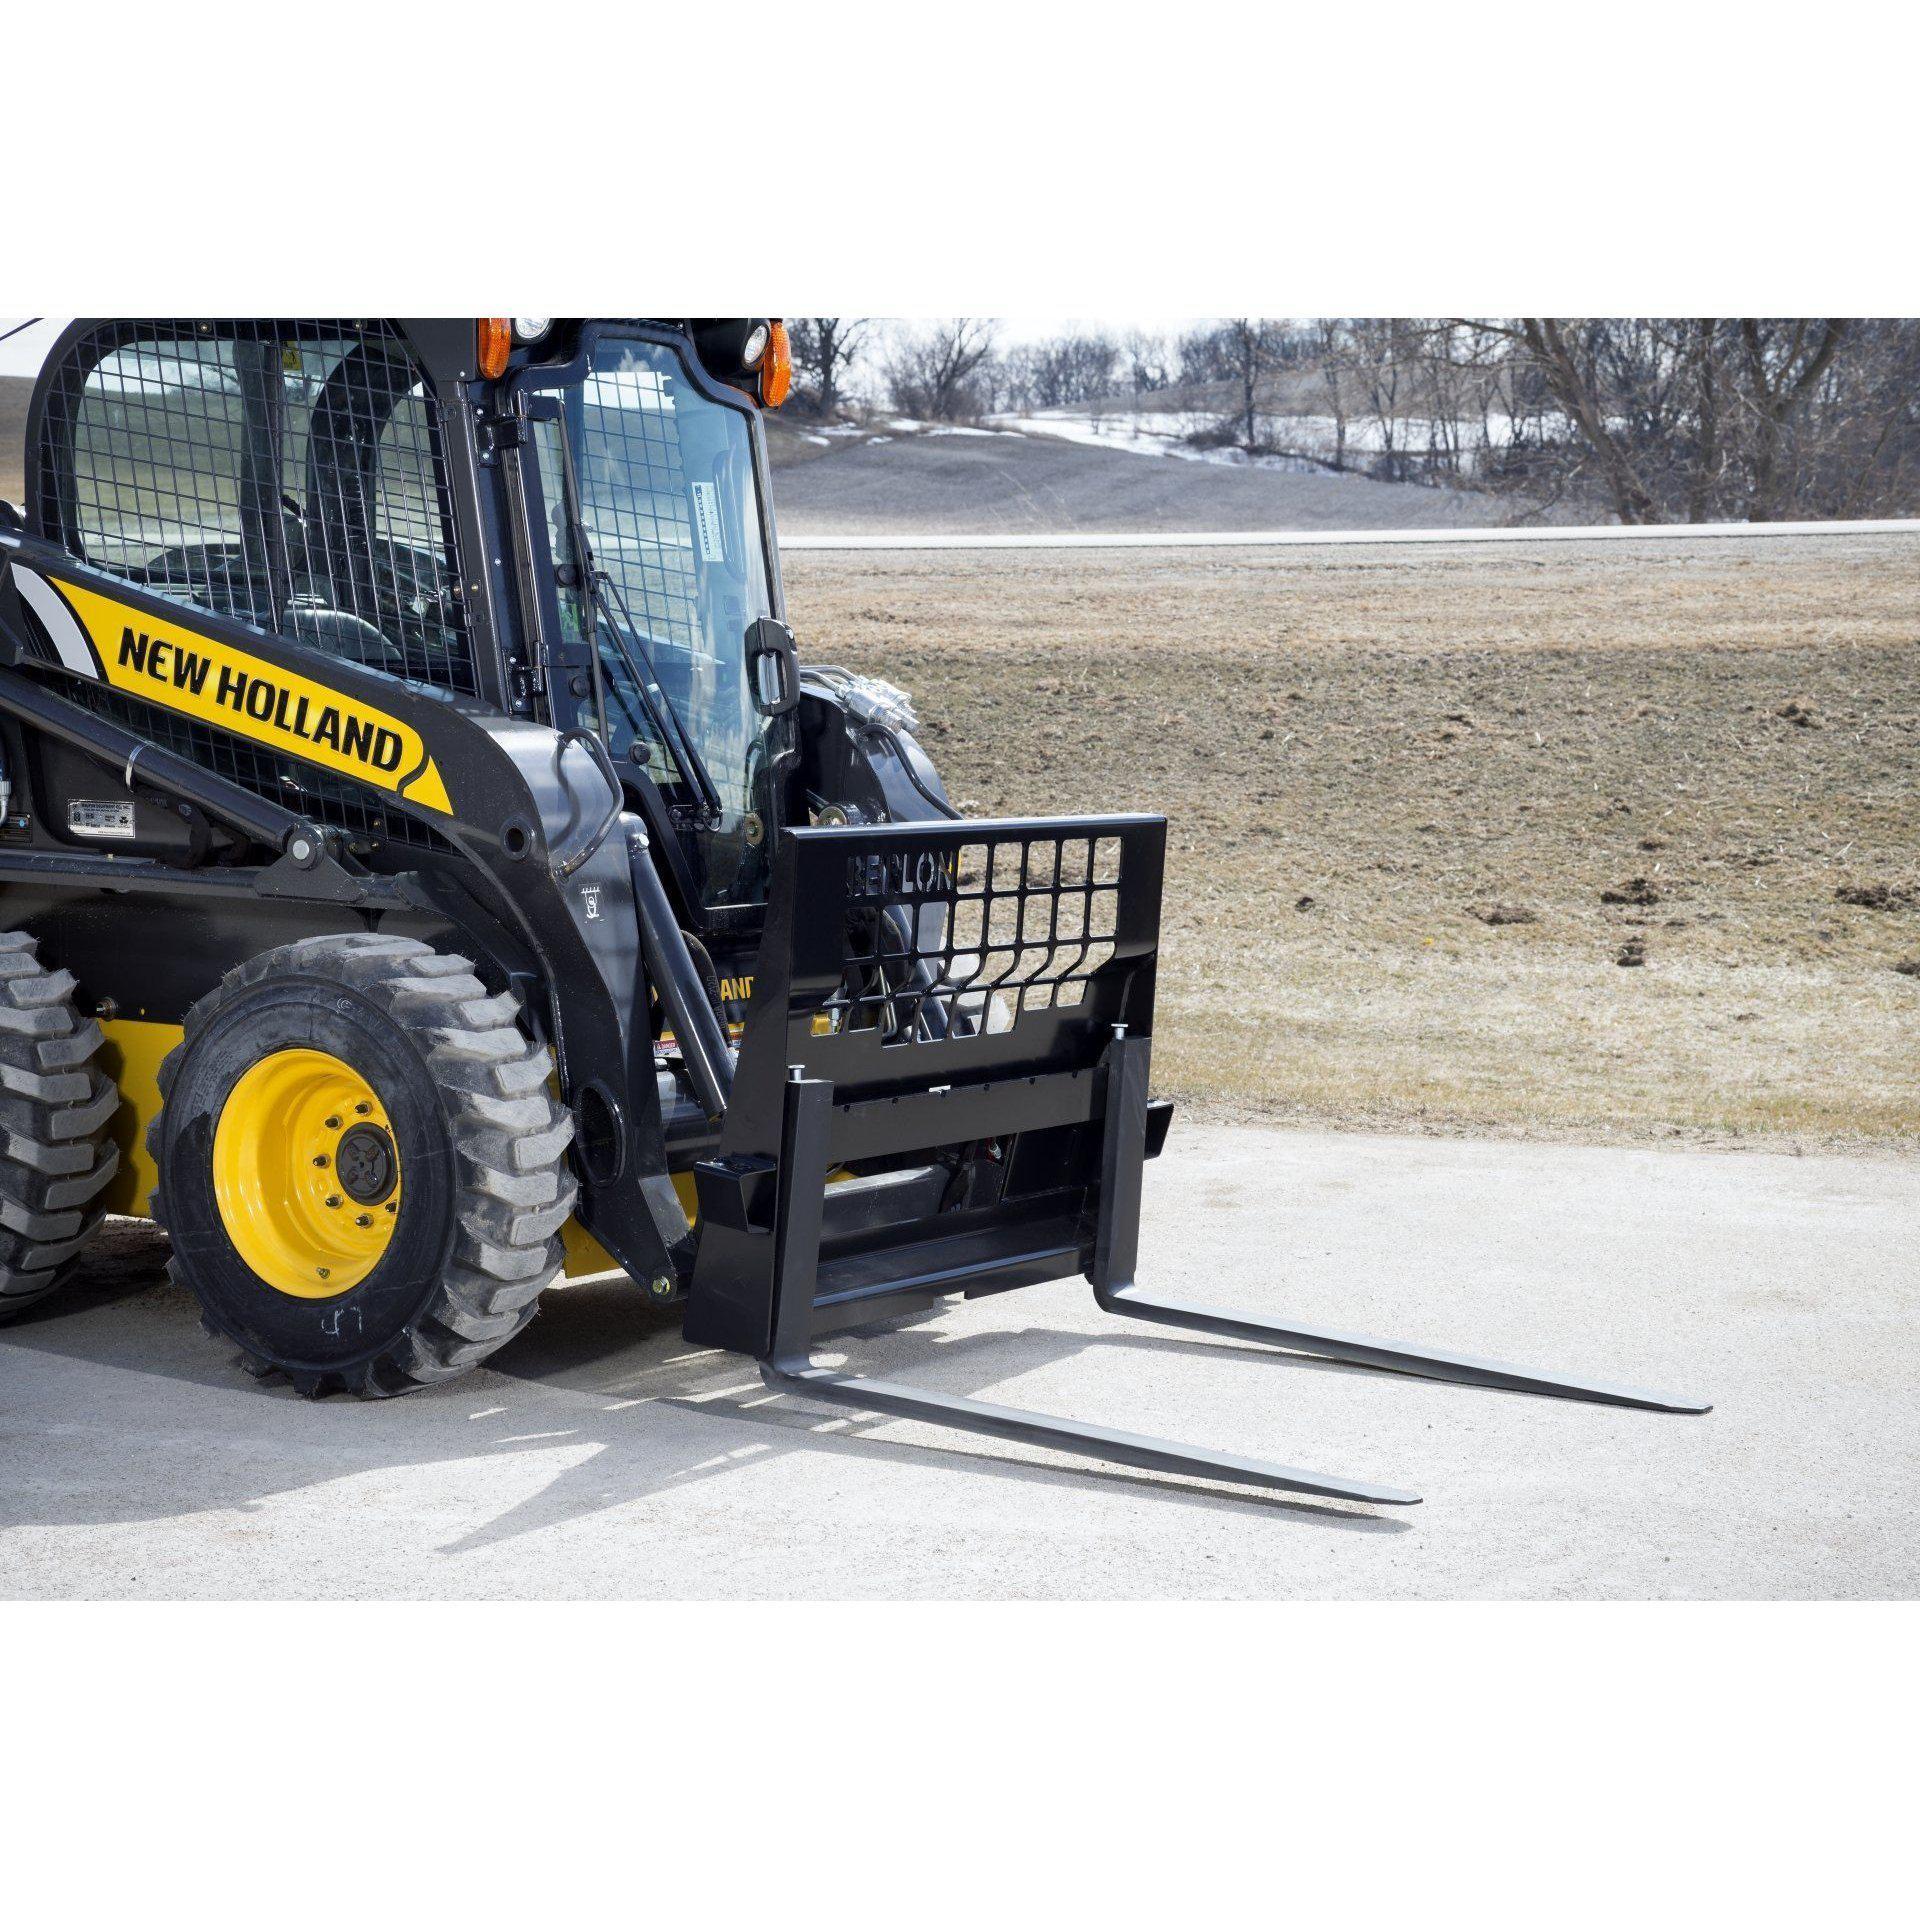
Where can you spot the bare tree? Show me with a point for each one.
(1016, 380)
(1383, 356)
(1782, 373)
(1705, 477)
(1704, 418)
(934, 372)
(1251, 351)
(1330, 342)
(823, 354)
(1868, 461)
(1149, 362)
(1569, 360)
(1078, 368)
(1229, 370)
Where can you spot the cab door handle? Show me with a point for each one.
(773, 668)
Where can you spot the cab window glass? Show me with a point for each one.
(284, 474)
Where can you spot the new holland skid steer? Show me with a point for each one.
(425, 866)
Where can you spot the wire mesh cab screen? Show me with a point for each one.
(284, 473)
(971, 942)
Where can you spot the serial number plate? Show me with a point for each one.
(101, 819)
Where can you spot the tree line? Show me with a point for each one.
(1646, 420)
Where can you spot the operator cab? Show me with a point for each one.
(562, 521)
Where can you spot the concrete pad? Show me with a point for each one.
(601, 1456)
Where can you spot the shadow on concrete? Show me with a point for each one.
(600, 1367)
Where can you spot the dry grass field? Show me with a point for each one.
(1425, 803)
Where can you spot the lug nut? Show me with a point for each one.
(363, 1220)
(363, 1106)
(333, 1119)
(333, 1199)
(319, 1159)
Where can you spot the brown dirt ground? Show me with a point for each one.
(1363, 754)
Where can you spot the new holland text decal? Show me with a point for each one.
(220, 684)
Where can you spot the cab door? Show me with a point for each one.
(650, 551)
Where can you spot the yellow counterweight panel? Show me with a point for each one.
(586, 1255)
(133, 1053)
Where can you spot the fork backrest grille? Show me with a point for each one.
(923, 951)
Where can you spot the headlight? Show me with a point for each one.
(529, 331)
(756, 347)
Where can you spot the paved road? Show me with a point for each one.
(1371, 537)
(602, 1456)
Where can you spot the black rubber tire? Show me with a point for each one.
(482, 1144)
(56, 1106)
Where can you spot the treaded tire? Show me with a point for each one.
(56, 1105)
(482, 1145)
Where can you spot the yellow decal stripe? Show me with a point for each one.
(212, 681)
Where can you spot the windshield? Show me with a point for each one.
(670, 507)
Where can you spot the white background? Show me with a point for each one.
(990, 159)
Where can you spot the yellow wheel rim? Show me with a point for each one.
(306, 1173)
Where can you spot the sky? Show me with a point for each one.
(24, 352)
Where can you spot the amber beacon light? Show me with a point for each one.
(495, 338)
(776, 370)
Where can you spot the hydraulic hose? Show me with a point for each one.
(561, 866)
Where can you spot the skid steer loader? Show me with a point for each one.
(426, 866)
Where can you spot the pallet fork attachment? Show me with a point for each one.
(1061, 1093)
(790, 1367)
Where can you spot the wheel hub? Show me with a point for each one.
(306, 1173)
(368, 1168)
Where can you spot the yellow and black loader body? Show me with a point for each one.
(407, 765)
(512, 823)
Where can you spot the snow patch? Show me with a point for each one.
(1302, 441)
(1162, 435)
